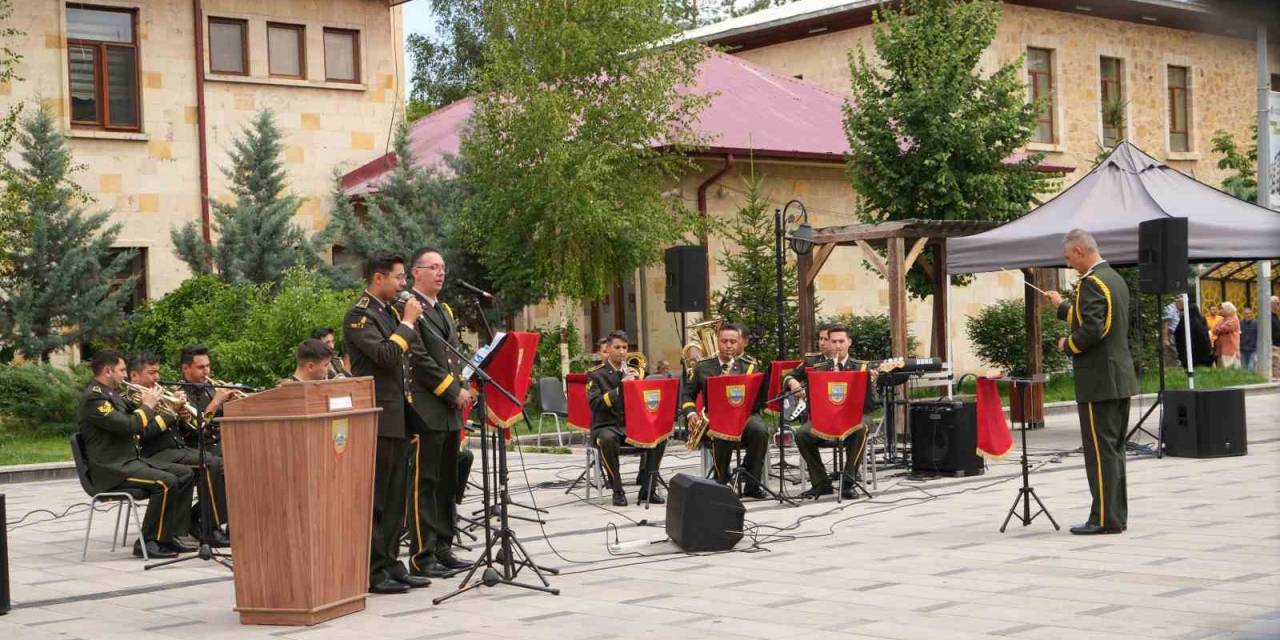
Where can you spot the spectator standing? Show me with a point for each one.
(1226, 331)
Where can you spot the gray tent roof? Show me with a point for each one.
(1127, 188)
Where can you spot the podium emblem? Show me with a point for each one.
(652, 398)
(736, 394)
(341, 434)
(838, 392)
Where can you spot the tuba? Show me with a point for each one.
(635, 362)
(704, 342)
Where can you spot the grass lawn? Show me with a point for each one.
(25, 446)
(1061, 387)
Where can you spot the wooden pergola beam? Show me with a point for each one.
(874, 258)
(914, 253)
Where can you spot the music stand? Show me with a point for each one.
(1026, 492)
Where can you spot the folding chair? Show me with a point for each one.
(125, 502)
(554, 403)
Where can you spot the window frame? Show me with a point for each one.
(244, 43)
(100, 75)
(1117, 86)
(355, 54)
(301, 30)
(1174, 92)
(1050, 108)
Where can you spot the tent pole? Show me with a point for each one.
(1186, 330)
(1263, 354)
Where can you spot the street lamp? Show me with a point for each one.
(801, 241)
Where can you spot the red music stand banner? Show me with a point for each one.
(579, 406)
(650, 410)
(511, 367)
(994, 438)
(835, 402)
(777, 369)
(730, 400)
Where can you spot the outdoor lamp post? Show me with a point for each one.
(801, 241)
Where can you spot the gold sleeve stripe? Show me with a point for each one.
(1106, 293)
(607, 401)
(1071, 344)
(160, 421)
(444, 385)
(143, 414)
(689, 405)
(399, 339)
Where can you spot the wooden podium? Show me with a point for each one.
(299, 466)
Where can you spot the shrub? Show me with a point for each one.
(998, 331)
(40, 396)
(870, 335)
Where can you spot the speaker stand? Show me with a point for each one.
(1026, 492)
(1159, 402)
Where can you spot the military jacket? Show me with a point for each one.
(378, 344)
(711, 367)
(437, 373)
(604, 394)
(110, 430)
(1098, 320)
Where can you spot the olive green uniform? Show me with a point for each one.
(379, 344)
(808, 442)
(1104, 377)
(111, 430)
(755, 435)
(170, 446)
(609, 431)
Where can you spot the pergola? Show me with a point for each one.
(903, 243)
(1244, 274)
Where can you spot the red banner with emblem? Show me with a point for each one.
(650, 410)
(511, 367)
(777, 369)
(579, 406)
(994, 438)
(730, 400)
(835, 402)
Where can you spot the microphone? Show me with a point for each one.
(476, 290)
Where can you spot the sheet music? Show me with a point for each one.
(480, 355)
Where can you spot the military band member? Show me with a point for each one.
(439, 397)
(608, 422)
(755, 435)
(168, 445)
(824, 347)
(312, 361)
(1098, 344)
(208, 399)
(807, 442)
(378, 340)
(336, 368)
(110, 431)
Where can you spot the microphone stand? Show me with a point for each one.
(206, 551)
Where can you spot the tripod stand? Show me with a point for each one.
(503, 537)
(1159, 402)
(206, 551)
(1026, 492)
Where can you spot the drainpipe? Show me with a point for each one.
(702, 211)
(202, 143)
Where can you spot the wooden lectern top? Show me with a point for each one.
(305, 401)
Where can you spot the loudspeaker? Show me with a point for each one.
(944, 438)
(1162, 255)
(702, 514)
(1204, 423)
(686, 278)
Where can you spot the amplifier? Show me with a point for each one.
(1204, 423)
(944, 438)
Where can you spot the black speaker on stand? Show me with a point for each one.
(1204, 423)
(686, 269)
(944, 438)
(702, 514)
(1162, 268)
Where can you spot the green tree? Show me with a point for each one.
(1242, 182)
(929, 133)
(10, 222)
(256, 237)
(444, 67)
(996, 336)
(560, 152)
(59, 285)
(750, 297)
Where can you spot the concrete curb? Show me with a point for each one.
(46, 471)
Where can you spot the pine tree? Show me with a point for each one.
(58, 284)
(750, 298)
(256, 237)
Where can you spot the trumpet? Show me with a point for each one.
(170, 405)
(236, 394)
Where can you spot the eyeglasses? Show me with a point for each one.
(431, 267)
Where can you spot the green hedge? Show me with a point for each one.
(41, 397)
(251, 330)
(870, 335)
(998, 336)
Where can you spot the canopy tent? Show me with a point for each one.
(1126, 189)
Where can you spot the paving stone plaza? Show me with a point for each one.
(923, 559)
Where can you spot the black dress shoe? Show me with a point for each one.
(817, 492)
(653, 497)
(412, 581)
(451, 561)
(154, 550)
(1090, 529)
(389, 585)
(432, 569)
(619, 499)
(849, 492)
(754, 491)
(176, 545)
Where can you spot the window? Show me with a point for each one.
(1275, 82)
(136, 268)
(229, 46)
(1179, 101)
(102, 56)
(341, 55)
(1040, 77)
(1113, 104)
(286, 50)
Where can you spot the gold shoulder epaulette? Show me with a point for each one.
(708, 359)
(813, 354)
(363, 302)
(746, 358)
(593, 369)
(96, 389)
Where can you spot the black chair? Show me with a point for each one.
(554, 403)
(129, 499)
